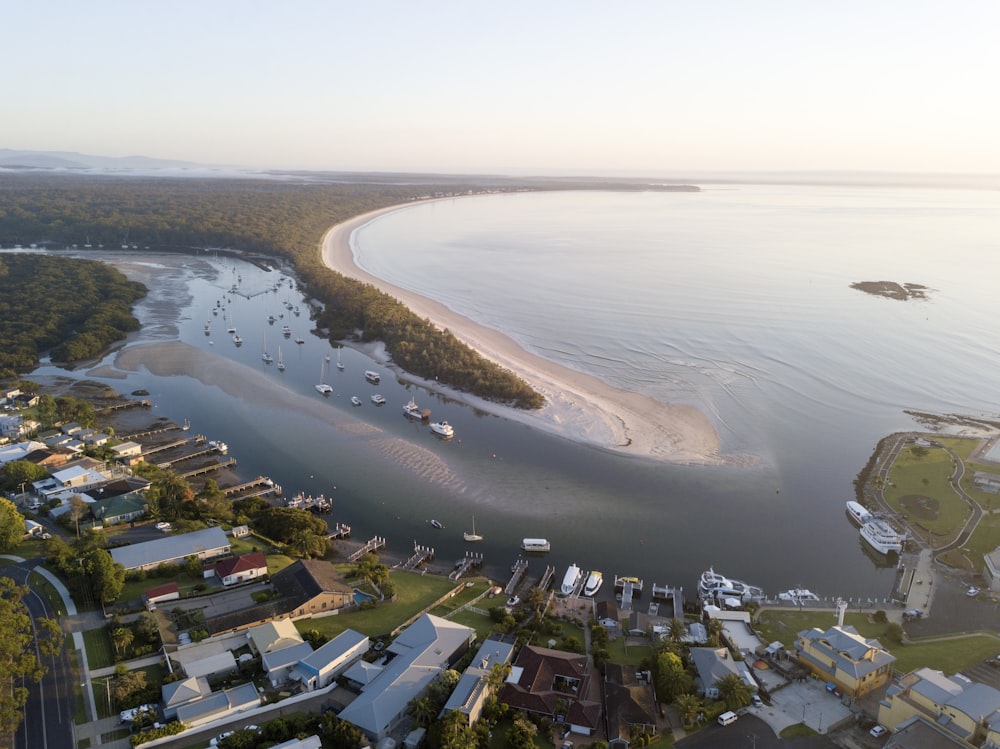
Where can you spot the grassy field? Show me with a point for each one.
(100, 653)
(414, 592)
(949, 655)
(919, 490)
(633, 656)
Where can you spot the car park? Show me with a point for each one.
(878, 731)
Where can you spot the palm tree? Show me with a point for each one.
(676, 630)
(733, 691)
(714, 630)
(121, 638)
(423, 710)
(689, 705)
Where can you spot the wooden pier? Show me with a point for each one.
(135, 436)
(371, 545)
(421, 554)
(547, 577)
(517, 572)
(254, 488)
(208, 469)
(631, 587)
(182, 458)
(339, 530)
(665, 593)
(472, 559)
(122, 405)
(165, 446)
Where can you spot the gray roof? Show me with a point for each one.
(713, 664)
(935, 686)
(490, 653)
(170, 549)
(977, 701)
(849, 650)
(184, 690)
(335, 648)
(286, 656)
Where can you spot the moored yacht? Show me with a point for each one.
(378, 400)
(443, 428)
(881, 536)
(594, 582)
(412, 410)
(571, 579)
(712, 585)
(858, 512)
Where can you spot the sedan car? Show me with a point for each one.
(220, 737)
(878, 731)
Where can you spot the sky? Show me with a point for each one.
(558, 87)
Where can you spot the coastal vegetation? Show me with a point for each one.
(269, 218)
(73, 309)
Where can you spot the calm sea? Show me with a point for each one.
(736, 300)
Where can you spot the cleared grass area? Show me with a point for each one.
(919, 490)
(464, 596)
(482, 624)
(948, 655)
(633, 656)
(100, 653)
(133, 590)
(414, 592)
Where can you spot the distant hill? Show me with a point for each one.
(15, 160)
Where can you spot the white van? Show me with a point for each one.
(727, 717)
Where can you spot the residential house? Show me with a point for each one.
(630, 704)
(161, 594)
(19, 451)
(242, 568)
(127, 450)
(203, 544)
(273, 636)
(472, 690)
(963, 709)
(120, 509)
(841, 655)
(278, 664)
(320, 668)
(411, 662)
(557, 684)
(211, 665)
(218, 705)
(608, 616)
(713, 665)
(919, 733)
(179, 693)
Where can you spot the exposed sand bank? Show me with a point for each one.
(578, 406)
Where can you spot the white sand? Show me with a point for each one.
(578, 406)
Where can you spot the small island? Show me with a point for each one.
(892, 289)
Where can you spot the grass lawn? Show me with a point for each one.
(414, 592)
(949, 656)
(919, 490)
(499, 740)
(133, 590)
(46, 588)
(633, 656)
(482, 624)
(464, 596)
(100, 652)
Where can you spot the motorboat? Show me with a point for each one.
(300, 339)
(324, 389)
(571, 579)
(412, 410)
(286, 331)
(594, 582)
(378, 400)
(535, 544)
(237, 339)
(858, 512)
(437, 524)
(443, 428)
(373, 377)
(355, 400)
(881, 536)
(798, 595)
(219, 447)
(712, 585)
(472, 536)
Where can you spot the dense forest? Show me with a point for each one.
(268, 217)
(74, 309)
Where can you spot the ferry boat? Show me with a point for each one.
(535, 544)
(594, 582)
(378, 400)
(858, 512)
(712, 585)
(443, 428)
(373, 377)
(881, 536)
(571, 579)
(412, 410)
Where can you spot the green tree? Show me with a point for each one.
(733, 691)
(676, 630)
(894, 632)
(672, 679)
(689, 706)
(339, 734)
(107, 576)
(423, 710)
(454, 732)
(522, 734)
(121, 638)
(127, 686)
(19, 475)
(11, 526)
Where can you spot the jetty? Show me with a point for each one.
(166, 446)
(255, 488)
(122, 405)
(421, 554)
(189, 456)
(516, 573)
(631, 587)
(373, 544)
(473, 559)
(339, 530)
(209, 468)
(547, 577)
(667, 593)
(136, 436)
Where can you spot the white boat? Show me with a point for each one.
(355, 400)
(571, 579)
(237, 340)
(300, 339)
(281, 363)
(535, 544)
(323, 388)
(858, 512)
(412, 410)
(220, 447)
(594, 582)
(437, 524)
(881, 536)
(267, 358)
(340, 364)
(443, 428)
(378, 400)
(373, 377)
(472, 536)
(286, 331)
(798, 595)
(712, 585)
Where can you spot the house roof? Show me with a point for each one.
(185, 690)
(212, 664)
(161, 590)
(273, 636)
(714, 664)
(532, 685)
(116, 507)
(628, 701)
(170, 549)
(255, 560)
(329, 652)
(607, 610)
(490, 653)
(852, 653)
(286, 656)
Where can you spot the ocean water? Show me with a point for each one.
(736, 300)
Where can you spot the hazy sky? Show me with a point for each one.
(512, 87)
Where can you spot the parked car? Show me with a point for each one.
(128, 716)
(878, 731)
(757, 701)
(220, 737)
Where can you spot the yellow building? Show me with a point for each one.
(965, 710)
(841, 656)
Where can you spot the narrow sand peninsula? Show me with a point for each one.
(578, 406)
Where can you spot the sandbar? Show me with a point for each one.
(578, 406)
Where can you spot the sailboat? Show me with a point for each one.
(340, 364)
(323, 388)
(281, 363)
(266, 357)
(472, 536)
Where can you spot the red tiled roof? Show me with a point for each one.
(162, 590)
(235, 565)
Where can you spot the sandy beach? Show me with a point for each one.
(578, 406)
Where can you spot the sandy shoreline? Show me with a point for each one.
(578, 406)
